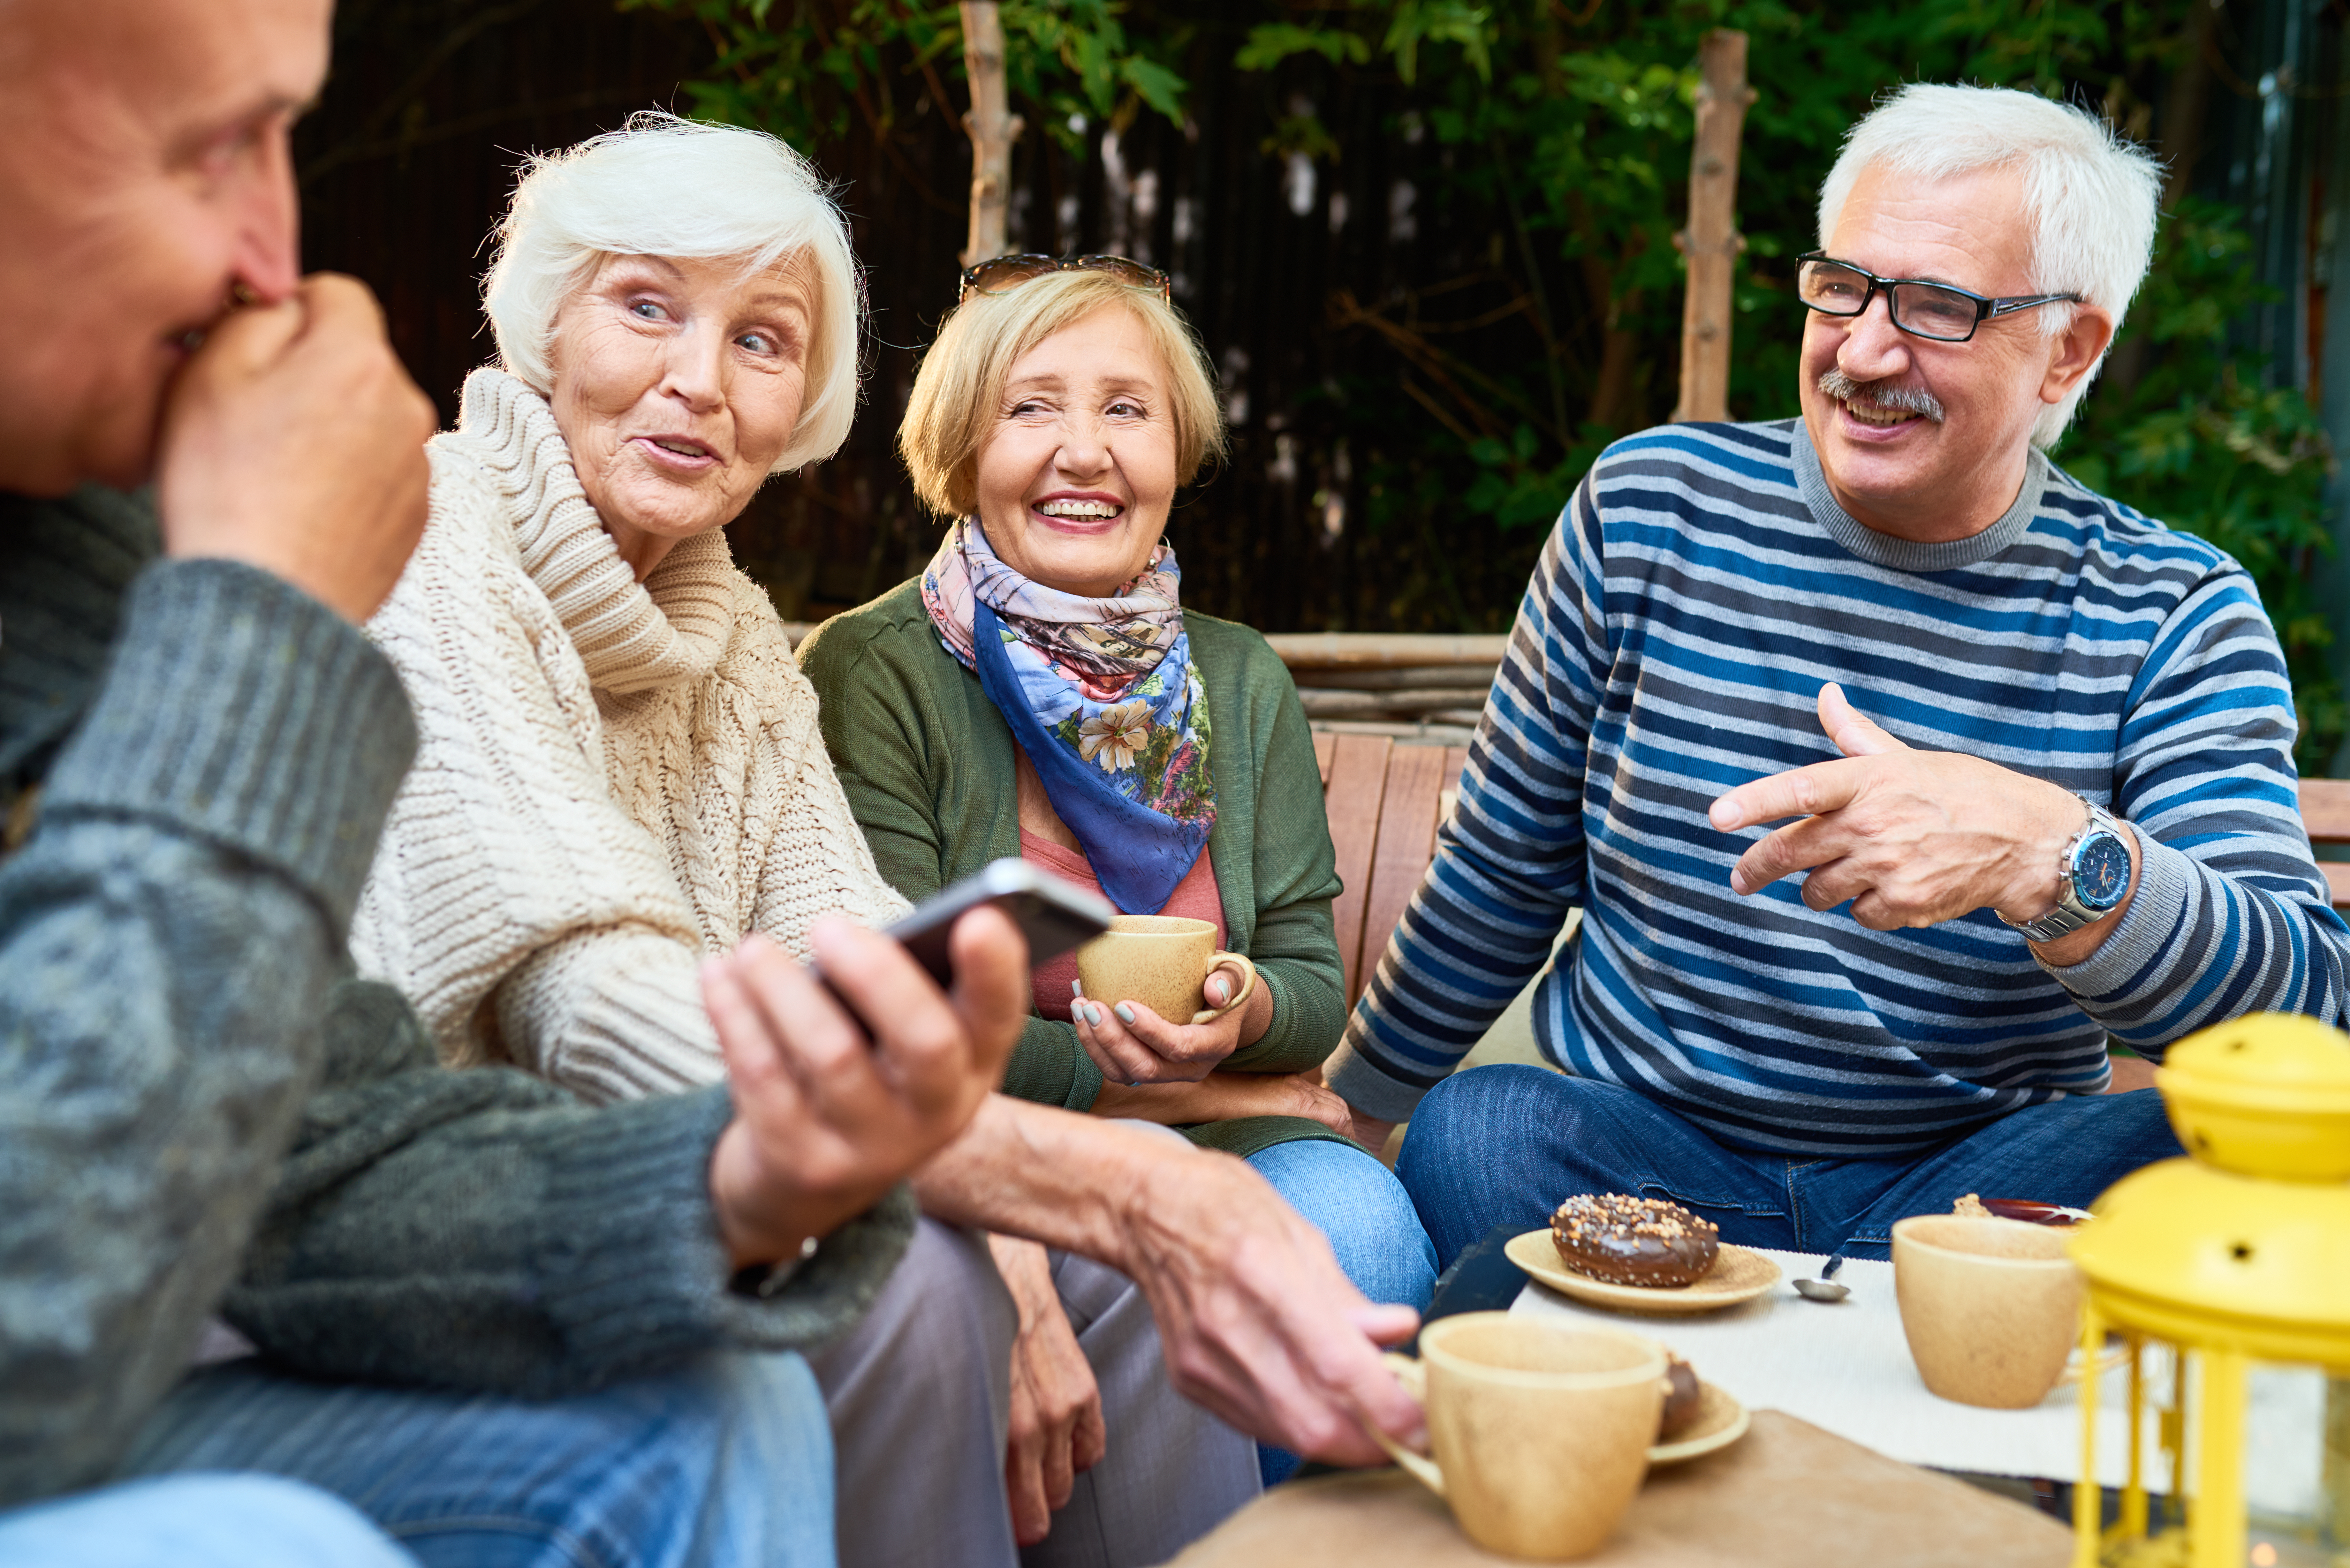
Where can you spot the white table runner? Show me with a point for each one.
(1846, 1367)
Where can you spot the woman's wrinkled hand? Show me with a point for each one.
(1132, 1045)
(1056, 1432)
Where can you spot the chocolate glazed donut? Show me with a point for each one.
(1628, 1240)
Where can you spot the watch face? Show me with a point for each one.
(2101, 871)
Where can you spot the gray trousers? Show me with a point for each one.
(919, 1396)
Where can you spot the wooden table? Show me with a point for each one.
(1787, 1495)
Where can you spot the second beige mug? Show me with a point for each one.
(1991, 1307)
(1540, 1433)
(1161, 961)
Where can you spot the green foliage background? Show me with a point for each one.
(1559, 135)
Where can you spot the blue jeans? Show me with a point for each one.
(1505, 1145)
(725, 1461)
(1358, 1204)
(196, 1522)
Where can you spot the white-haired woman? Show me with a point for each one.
(620, 771)
(621, 767)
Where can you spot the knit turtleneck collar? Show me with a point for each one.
(632, 635)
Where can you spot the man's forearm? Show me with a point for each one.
(1049, 1175)
(579, 1243)
(167, 938)
(154, 1061)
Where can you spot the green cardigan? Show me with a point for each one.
(926, 763)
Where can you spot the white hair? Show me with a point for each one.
(661, 186)
(2090, 194)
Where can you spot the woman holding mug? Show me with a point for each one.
(1039, 691)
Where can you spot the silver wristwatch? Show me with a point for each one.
(2093, 877)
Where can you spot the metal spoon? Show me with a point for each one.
(1822, 1289)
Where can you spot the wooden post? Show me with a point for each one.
(993, 128)
(1712, 241)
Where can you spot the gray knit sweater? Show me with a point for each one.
(200, 1112)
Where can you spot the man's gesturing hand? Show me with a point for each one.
(294, 441)
(1910, 837)
(832, 1109)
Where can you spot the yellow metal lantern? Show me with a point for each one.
(2231, 1263)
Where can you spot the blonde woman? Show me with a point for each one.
(1040, 691)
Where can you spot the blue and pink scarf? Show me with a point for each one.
(1101, 694)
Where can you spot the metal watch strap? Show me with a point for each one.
(2070, 914)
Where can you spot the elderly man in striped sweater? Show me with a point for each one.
(1892, 769)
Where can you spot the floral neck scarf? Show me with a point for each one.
(1102, 696)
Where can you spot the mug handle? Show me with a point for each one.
(1419, 1467)
(1248, 985)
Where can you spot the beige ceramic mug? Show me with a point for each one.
(1992, 1307)
(1540, 1433)
(1161, 961)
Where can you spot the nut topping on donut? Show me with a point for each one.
(1628, 1240)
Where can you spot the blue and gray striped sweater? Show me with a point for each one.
(1700, 588)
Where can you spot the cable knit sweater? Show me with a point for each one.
(614, 778)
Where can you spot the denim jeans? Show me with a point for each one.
(196, 1522)
(725, 1461)
(1505, 1145)
(1358, 1204)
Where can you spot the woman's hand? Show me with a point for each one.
(1132, 1045)
(1057, 1417)
(1220, 1097)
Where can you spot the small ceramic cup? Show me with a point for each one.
(1540, 1433)
(1161, 961)
(1992, 1307)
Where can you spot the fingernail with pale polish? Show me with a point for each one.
(1125, 1013)
(1092, 1015)
(1076, 988)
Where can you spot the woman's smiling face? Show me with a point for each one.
(1077, 475)
(677, 385)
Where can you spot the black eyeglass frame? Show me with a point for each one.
(1038, 264)
(1985, 306)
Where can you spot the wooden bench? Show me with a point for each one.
(2325, 812)
(1386, 802)
(1408, 688)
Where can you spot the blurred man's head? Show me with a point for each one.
(2003, 196)
(144, 179)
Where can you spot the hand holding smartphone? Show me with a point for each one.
(1054, 915)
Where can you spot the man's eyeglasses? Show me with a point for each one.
(1007, 273)
(1934, 310)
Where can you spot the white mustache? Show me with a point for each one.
(1900, 399)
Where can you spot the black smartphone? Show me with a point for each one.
(1054, 915)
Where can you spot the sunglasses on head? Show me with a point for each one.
(1007, 273)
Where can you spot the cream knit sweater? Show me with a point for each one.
(613, 779)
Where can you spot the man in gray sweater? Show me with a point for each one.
(201, 1114)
